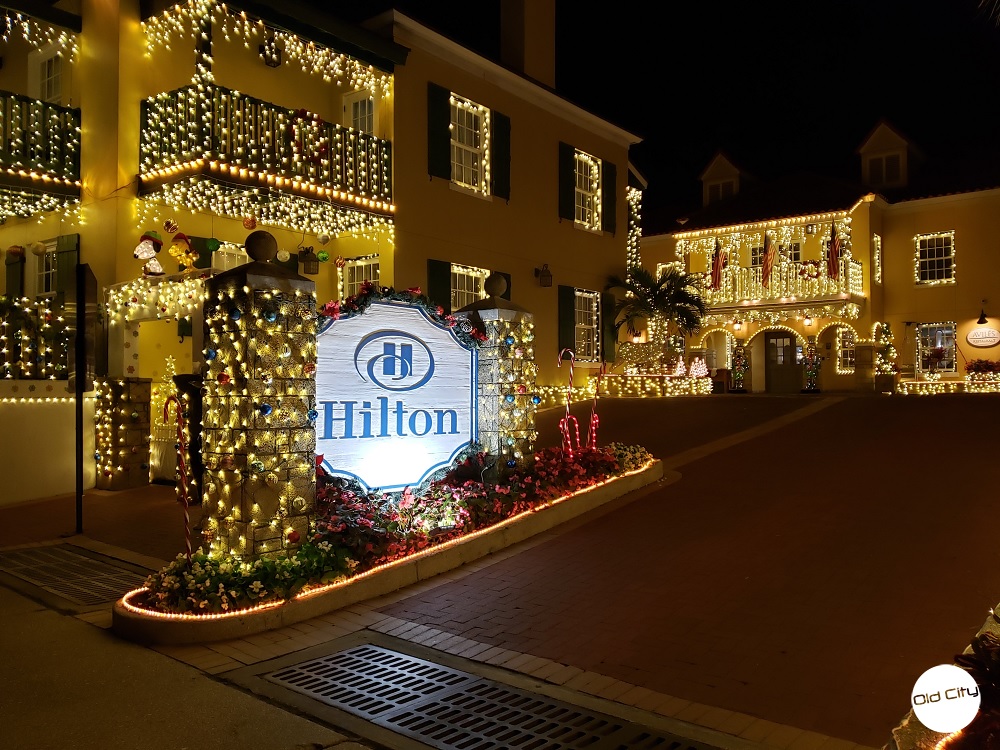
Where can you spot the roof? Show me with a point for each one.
(784, 197)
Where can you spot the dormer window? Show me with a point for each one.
(721, 190)
(885, 170)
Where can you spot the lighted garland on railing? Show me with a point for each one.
(771, 316)
(159, 297)
(34, 342)
(185, 22)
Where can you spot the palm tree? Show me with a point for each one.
(674, 298)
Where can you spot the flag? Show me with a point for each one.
(718, 263)
(770, 250)
(833, 253)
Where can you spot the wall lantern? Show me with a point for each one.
(544, 275)
(808, 321)
(982, 315)
(270, 52)
(309, 261)
(737, 326)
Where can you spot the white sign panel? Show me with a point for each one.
(396, 396)
(983, 337)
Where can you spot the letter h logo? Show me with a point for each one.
(389, 359)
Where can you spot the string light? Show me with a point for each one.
(932, 260)
(633, 254)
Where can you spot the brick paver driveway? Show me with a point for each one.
(806, 575)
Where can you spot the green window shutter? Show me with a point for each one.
(67, 258)
(609, 334)
(185, 327)
(15, 277)
(609, 197)
(500, 158)
(505, 295)
(200, 246)
(439, 283)
(567, 317)
(567, 181)
(438, 131)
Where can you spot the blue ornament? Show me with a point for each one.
(312, 414)
(211, 354)
(509, 340)
(257, 466)
(511, 463)
(265, 409)
(509, 398)
(270, 315)
(235, 313)
(97, 456)
(536, 399)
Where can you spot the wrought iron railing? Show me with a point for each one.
(39, 137)
(231, 128)
(802, 281)
(34, 340)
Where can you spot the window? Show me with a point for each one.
(936, 347)
(877, 258)
(356, 272)
(359, 111)
(721, 190)
(845, 351)
(588, 190)
(229, 256)
(777, 350)
(885, 170)
(795, 252)
(934, 260)
(45, 75)
(46, 272)
(467, 285)
(587, 309)
(470, 127)
(757, 256)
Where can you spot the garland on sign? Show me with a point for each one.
(463, 328)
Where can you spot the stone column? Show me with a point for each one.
(258, 438)
(506, 399)
(122, 442)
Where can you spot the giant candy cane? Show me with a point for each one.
(564, 423)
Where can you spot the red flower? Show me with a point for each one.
(414, 290)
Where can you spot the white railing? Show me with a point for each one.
(802, 281)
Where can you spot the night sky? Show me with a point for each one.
(779, 85)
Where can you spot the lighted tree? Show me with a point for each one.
(885, 355)
(698, 368)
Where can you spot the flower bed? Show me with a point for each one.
(355, 532)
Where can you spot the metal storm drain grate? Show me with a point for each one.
(75, 577)
(454, 710)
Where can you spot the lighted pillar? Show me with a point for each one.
(507, 371)
(122, 441)
(258, 435)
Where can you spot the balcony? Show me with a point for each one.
(39, 156)
(218, 150)
(797, 284)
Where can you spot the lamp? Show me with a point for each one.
(544, 275)
(309, 261)
(808, 321)
(737, 326)
(982, 315)
(270, 52)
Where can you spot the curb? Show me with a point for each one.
(152, 628)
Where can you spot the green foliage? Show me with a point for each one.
(982, 366)
(674, 296)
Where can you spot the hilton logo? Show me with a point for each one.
(396, 393)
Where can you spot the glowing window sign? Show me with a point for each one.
(395, 396)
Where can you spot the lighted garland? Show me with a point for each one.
(156, 297)
(40, 35)
(463, 329)
(186, 21)
(34, 340)
(633, 254)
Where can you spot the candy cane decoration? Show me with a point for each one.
(181, 468)
(594, 419)
(567, 442)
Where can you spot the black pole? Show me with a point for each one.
(80, 355)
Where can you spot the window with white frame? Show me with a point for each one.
(588, 190)
(587, 314)
(795, 252)
(845, 351)
(936, 347)
(359, 112)
(877, 258)
(467, 285)
(44, 276)
(356, 272)
(720, 190)
(45, 74)
(470, 129)
(934, 258)
(229, 256)
(756, 257)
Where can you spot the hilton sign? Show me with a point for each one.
(395, 396)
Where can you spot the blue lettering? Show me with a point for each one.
(400, 411)
(383, 411)
(329, 419)
(440, 421)
(366, 419)
(428, 423)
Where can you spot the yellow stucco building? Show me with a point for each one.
(384, 153)
(912, 245)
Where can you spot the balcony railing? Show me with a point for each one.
(218, 125)
(34, 340)
(38, 138)
(807, 280)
